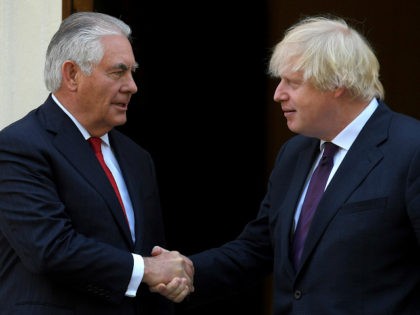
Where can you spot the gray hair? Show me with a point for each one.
(330, 54)
(79, 39)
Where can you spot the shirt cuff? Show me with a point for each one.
(136, 276)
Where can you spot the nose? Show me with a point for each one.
(279, 93)
(133, 85)
(130, 85)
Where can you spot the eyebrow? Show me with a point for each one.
(124, 67)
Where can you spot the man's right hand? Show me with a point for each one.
(169, 273)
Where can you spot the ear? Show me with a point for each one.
(338, 92)
(70, 73)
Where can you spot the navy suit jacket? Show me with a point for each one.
(362, 255)
(65, 247)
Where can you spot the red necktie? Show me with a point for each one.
(313, 196)
(96, 146)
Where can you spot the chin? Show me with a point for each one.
(120, 121)
(292, 128)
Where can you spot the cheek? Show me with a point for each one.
(89, 92)
(100, 98)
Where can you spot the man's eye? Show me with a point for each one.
(117, 74)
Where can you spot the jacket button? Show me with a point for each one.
(298, 294)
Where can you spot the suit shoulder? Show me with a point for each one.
(23, 128)
(299, 142)
(406, 121)
(117, 136)
(405, 128)
(294, 145)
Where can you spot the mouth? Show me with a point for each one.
(288, 112)
(121, 105)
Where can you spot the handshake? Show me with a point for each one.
(169, 273)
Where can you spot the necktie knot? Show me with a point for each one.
(330, 149)
(95, 142)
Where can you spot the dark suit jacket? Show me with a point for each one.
(65, 247)
(362, 255)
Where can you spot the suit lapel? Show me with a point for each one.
(363, 155)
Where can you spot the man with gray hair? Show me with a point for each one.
(79, 205)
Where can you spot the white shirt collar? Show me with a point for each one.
(79, 126)
(347, 136)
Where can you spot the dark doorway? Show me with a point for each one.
(200, 112)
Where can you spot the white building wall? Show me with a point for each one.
(26, 27)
